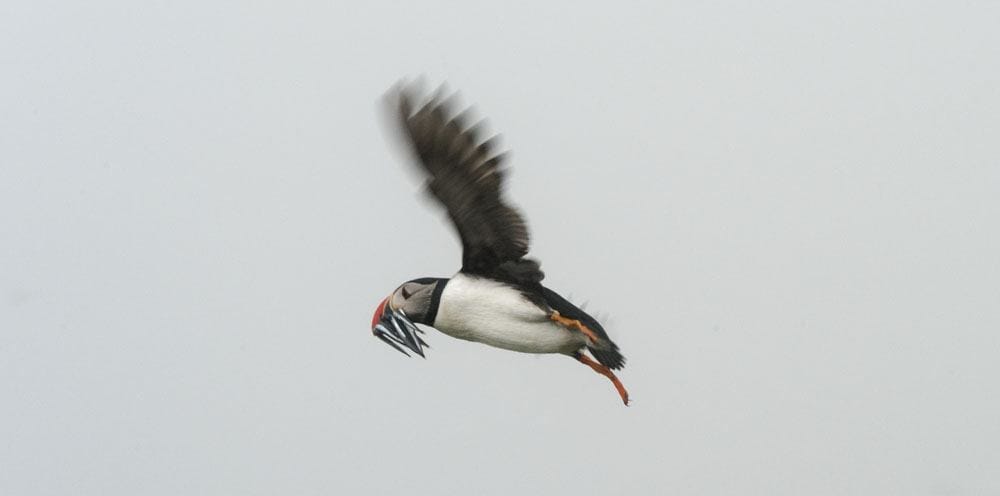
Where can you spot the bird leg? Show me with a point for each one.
(574, 324)
(606, 372)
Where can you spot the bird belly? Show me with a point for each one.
(490, 312)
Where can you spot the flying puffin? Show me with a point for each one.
(497, 298)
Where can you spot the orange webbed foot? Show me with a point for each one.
(606, 372)
(574, 324)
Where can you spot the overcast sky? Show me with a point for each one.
(786, 214)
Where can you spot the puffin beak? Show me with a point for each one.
(393, 327)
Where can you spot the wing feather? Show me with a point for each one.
(465, 174)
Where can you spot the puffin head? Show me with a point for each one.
(413, 302)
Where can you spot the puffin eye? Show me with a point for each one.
(406, 294)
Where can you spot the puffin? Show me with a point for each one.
(497, 297)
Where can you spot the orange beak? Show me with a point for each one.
(378, 312)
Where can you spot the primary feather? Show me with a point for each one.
(466, 177)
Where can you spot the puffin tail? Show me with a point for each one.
(606, 352)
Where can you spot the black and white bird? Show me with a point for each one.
(497, 298)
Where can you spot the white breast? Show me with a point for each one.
(486, 311)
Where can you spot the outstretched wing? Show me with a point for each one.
(466, 177)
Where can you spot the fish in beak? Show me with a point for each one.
(396, 329)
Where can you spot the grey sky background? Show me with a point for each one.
(787, 211)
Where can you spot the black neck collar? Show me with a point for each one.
(432, 309)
